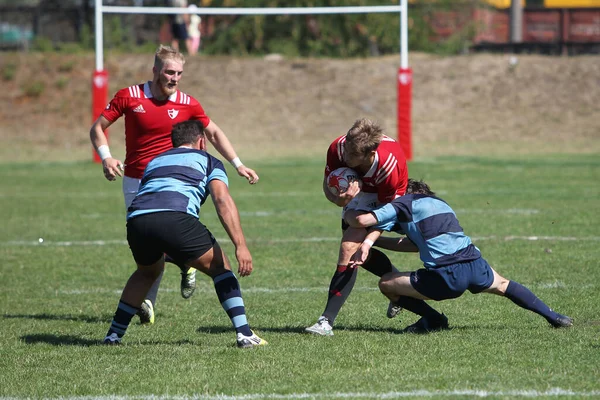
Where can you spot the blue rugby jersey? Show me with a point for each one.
(432, 226)
(177, 180)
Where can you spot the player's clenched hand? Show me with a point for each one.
(350, 193)
(248, 173)
(112, 167)
(244, 260)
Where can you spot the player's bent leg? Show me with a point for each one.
(215, 264)
(133, 295)
(379, 264)
(397, 287)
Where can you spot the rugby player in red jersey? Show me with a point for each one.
(151, 109)
(381, 164)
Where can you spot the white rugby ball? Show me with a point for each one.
(339, 180)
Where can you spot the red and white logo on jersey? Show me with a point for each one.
(107, 107)
(173, 113)
(139, 109)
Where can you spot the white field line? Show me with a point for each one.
(206, 288)
(225, 241)
(554, 392)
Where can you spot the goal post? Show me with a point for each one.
(403, 79)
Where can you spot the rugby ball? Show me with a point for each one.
(339, 180)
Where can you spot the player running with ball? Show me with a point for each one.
(381, 165)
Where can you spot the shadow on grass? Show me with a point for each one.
(54, 317)
(298, 329)
(59, 340)
(70, 340)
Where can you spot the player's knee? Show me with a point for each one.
(386, 283)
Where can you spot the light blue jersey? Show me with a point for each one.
(431, 225)
(177, 180)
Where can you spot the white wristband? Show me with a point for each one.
(104, 152)
(369, 242)
(236, 163)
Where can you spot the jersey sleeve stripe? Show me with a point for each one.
(340, 148)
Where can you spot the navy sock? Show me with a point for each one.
(153, 292)
(378, 263)
(340, 287)
(419, 307)
(121, 319)
(523, 297)
(230, 296)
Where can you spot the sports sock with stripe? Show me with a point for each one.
(340, 287)
(230, 296)
(121, 319)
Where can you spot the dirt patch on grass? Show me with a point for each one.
(477, 104)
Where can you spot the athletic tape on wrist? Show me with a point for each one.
(236, 163)
(104, 152)
(369, 242)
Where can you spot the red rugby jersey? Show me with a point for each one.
(388, 176)
(148, 122)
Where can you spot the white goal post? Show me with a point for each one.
(404, 79)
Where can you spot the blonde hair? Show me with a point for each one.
(165, 53)
(363, 137)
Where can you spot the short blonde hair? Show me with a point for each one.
(363, 137)
(165, 53)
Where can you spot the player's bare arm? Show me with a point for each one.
(230, 219)
(221, 143)
(111, 166)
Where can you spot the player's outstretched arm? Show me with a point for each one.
(230, 219)
(221, 143)
(111, 166)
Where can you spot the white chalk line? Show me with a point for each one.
(208, 289)
(225, 241)
(528, 393)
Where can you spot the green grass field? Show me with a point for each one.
(535, 220)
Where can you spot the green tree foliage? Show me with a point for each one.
(336, 35)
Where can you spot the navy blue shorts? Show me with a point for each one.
(179, 31)
(182, 236)
(453, 280)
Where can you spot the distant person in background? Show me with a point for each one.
(193, 42)
(151, 109)
(163, 217)
(179, 24)
(452, 263)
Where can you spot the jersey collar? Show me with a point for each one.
(148, 93)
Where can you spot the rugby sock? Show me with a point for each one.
(121, 319)
(419, 307)
(340, 287)
(378, 263)
(153, 292)
(523, 297)
(230, 296)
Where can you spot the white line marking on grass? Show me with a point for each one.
(225, 241)
(349, 395)
(316, 289)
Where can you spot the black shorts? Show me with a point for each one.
(179, 31)
(182, 236)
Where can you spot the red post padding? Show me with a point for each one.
(404, 111)
(99, 100)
